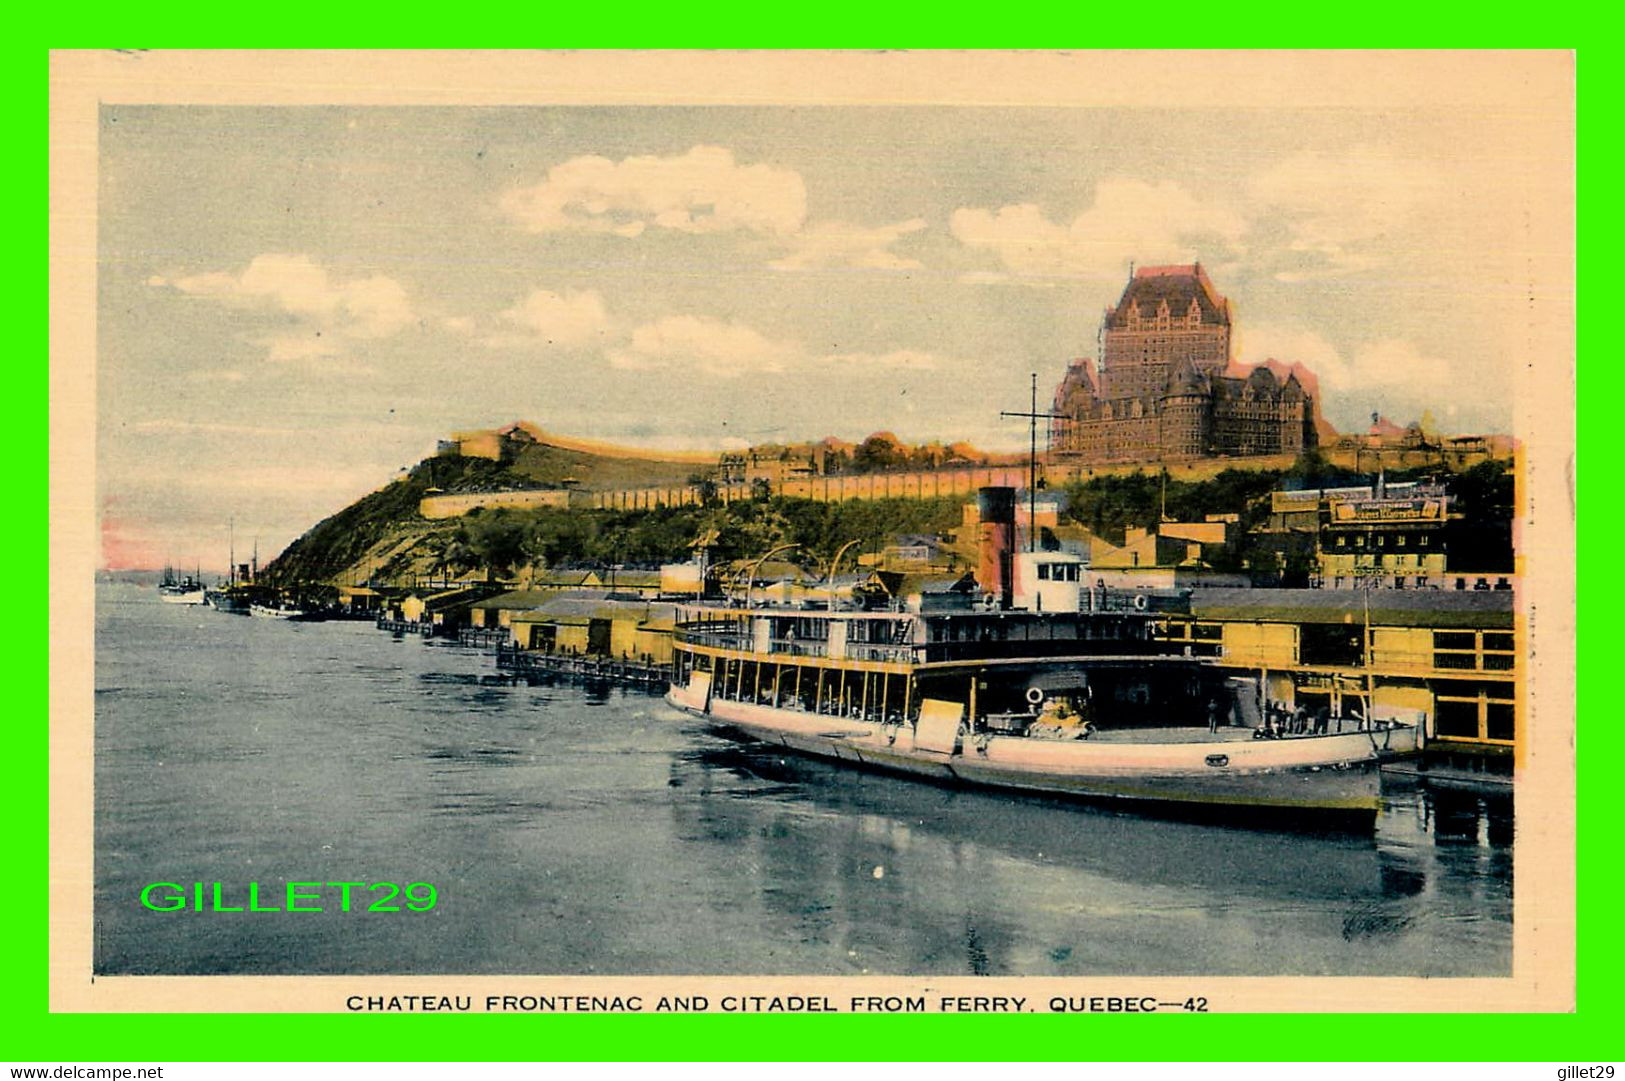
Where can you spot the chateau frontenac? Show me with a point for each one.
(1166, 388)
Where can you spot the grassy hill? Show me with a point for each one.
(554, 461)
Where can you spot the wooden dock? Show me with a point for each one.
(484, 637)
(406, 627)
(650, 677)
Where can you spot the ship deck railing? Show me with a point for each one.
(1012, 650)
(888, 653)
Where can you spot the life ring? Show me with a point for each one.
(989, 599)
(1140, 602)
(1035, 695)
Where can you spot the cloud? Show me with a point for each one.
(188, 427)
(839, 244)
(1398, 365)
(1130, 220)
(1258, 342)
(701, 191)
(570, 319)
(328, 311)
(305, 345)
(1343, 210)
(727, 349)
(1391, 374)
(897, 359)
(713, 346)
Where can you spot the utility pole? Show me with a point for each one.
(1032, 416)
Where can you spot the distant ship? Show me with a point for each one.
(180, 589)
(276, 611)
(236, 593)
(233, 599)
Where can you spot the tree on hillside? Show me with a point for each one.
(880, 452)
(706, 486)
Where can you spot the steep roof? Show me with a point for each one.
(1178, 285)
(1185, 379)
(1079, 373)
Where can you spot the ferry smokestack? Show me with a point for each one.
(996, 509)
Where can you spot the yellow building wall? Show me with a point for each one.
(623, 636)
(1348, 563)
(1279, 688)
(1402, 647)
(572, 638)
(655, 644)
(412, 609)
(1264, 644)
(1408, 702)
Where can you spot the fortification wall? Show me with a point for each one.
(452, 505)
(923, 484)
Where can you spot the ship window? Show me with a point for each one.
(1043, 572)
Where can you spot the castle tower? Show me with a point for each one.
(1184, 424)
(1165, 389)
(1167, 314)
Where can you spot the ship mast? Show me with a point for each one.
(1032, 416)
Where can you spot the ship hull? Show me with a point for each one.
(187, 597)
(1322, 777)
(267, 612)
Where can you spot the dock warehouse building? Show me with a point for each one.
(1445, 659)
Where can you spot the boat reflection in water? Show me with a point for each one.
(923, 879)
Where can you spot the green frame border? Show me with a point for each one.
(35, 1034)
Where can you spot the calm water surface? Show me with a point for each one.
(588, 829)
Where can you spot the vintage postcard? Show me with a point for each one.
(812, 532)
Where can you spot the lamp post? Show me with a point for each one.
(829, 582)
(750, 579)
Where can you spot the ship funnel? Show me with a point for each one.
(996, 511)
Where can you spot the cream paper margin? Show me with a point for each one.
(1535, 86)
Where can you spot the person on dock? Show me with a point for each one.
(1213, 715)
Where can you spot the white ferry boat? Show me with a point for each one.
(1045, 685)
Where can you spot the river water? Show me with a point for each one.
(580, 829)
